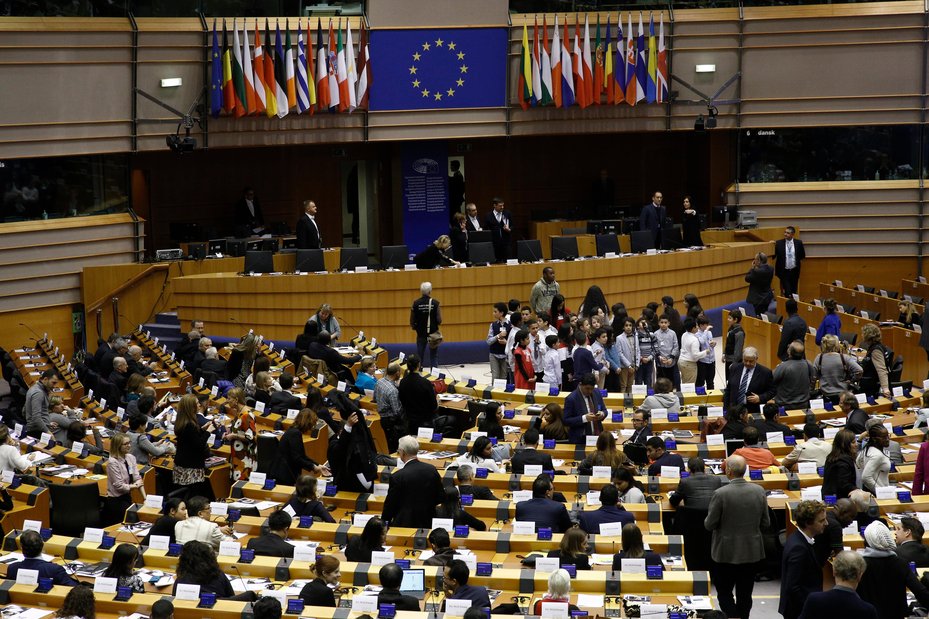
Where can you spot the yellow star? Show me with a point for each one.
(439, 42)
(460, 82)
(426, 47)
(415, 83)
(460, 55)
(413, 70)
(416, 56)
(451, 45)
(464, 68)
(425, 93)
(438, 96)
(450, 93)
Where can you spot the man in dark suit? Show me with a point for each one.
(338, 363)
(390, 576)
(659, 456)
(652, 217)
(542, 509)
(248, 216)
(308, 236)
(608, 511)
(842, 600)
(417, 396)
(500, 224)
(118, 348)
(472, 221)
(272, 543)
(31, 544)
(455, 583)
(794, 328)
(855, 416)
(641, 428)
(749, 382)
(738, 512)
(200, 354)
(212, 362)
(465, 476)
(136, 364)
(910, 547)
(414, 490)
(283, 400)
(788, 254)
(103, 349)
(530, 454)
(119, 374)
(584, 410)
(696, 490)
(759, 279)
(801, 573)
(829, 542)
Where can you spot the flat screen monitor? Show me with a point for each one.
(352, 257)
(481, 253)
(414, 581)
(310, 261)
(256, 245)
(259, 262)
(564, 247)
(607, 243)
(529, 250)
(196, 251)
(217, 246)
(642, 241)
(732, 445)
(235, 248)
(394, 256)
(480, 236)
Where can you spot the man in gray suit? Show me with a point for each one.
(697, 490)
(738, 513)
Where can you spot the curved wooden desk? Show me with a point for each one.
(277, 306)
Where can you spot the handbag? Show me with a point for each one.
(434, 339)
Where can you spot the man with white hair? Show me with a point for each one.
(202, 344)
(212, 362)
(749, 382)
(842, 600)
(136, 364)
(425, 318)
(119, 375)
(738, 512)
(414, 490)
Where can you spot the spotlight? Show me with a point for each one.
(712, 112)
(180, 144)
(700, 124)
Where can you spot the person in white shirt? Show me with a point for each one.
(690, 352)
(10, 457)
(813, 449)
(537, 347)
(598, 349)
(516, 321)
(551, 364)
(198, 526)
(480, 456)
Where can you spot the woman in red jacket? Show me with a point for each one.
(522, 362)
(921, 474)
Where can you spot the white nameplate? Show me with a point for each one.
(671, 471)
(532, 469)
(612, 529)
(424, 433)
(154, 501)
(715, 439)
(257, 478)
(187, 592)
(444, 523)
(364, 604)
(632, 566)
(27, 577)
(546, 565)
(305, 553)
(523, 527)
(103, 584)
(457, 608)
(94, 536)
(659, 414)
(230, 549)
(522, 495)
(360, 520)
(159, 542)
(602, 471)
(382, 557)
(774, 437)
(806, 468)
(219, 509)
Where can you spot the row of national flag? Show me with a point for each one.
(275, 79)
(632, 71)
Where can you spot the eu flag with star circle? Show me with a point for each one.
(434, 69)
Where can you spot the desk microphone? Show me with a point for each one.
(433, 593)
(32, 331)
(242, 580)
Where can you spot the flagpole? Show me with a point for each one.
(670, 57)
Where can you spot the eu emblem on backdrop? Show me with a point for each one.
(439, 69)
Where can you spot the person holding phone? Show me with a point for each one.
(192, 448)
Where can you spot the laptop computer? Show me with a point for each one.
(414, 583)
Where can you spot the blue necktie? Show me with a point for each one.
(743, 386)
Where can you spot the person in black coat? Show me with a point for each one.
(390, 577)
(759, 279)
(769, 422)
(541, 509)
(458, 233)
(634, 548)
(414, 490)
(197, 565)
(318, 592)
(308, 236)
(174, 510)
(283, 400)
(530, 454)
(465, 476)
(354, 454)
(573, 549)
(290, 459)
(417, 395)
(839, 473)
(304, 501)
(272, 543)
(435, 254)
(690, 225)
(337, 362)
(451, 508)
(842, 600)
(801, 573)
(909, 537)
(887, 576)
(652, 217)
(248, 216)
(855, 416)
(760, 387)
(372, 538)
(737, 419)
(609, 511)
(789, 278)
(794, 328)
(500, 223)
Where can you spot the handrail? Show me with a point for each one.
(132, 281)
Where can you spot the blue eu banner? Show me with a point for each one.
(425, 193)
(439, 69)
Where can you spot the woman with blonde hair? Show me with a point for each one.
(908, 315)
(573, 549)
(241, 360)
(875, 376)
(435, 254)
(834, 369)
(243, 435)
(122, 477)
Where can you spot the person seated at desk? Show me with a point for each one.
(769, 422)
(630, 489)
(77, 433)
(664, 398)
(11, 459)
(605, 455)
(212, 363)
(119, 375)
(200, 355)
(737, 419)
(197, 525)
(372, 538)
(197, 565)
(304, 501)
(530, 454)
(608, 512)
(658, 455)
(573, 549)
(553, 428)
(908, 315)
(142, 448)
(365, 378)
(559, 590)
(456, 585)
(173, 510)
(541, 509)
(855, 417)
(441, 546)
(490, 424)
(284, 400)
(318, 592)
(451, 508)
(435, 254)
(634, 548)
(31, 544)
(263, 389)
(338, 363)
(266, 607)
(391, 576)
(272, 543)
(641, 427)
(757, 458)
(909, 536)
(465, 477)
(262, 364)
(813, 449)
(122, 568)
(60, 417)
(697, 489)
(480, 455)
